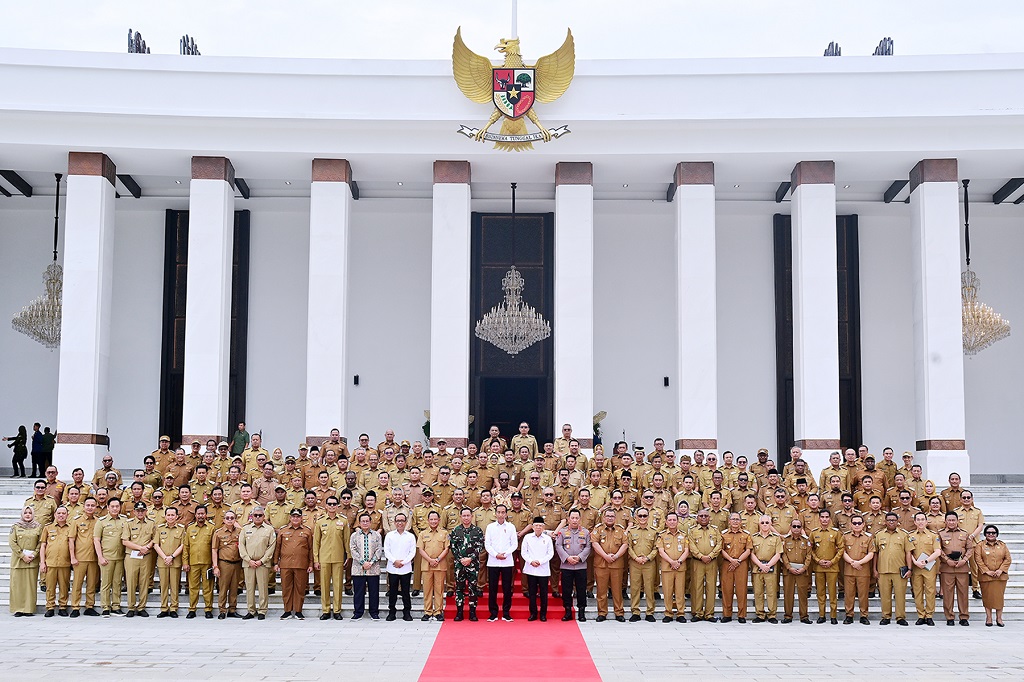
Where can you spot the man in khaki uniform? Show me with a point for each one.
(797, 565)
(891, 565)
(525, 439)
(331, 535)
(610, 546)
(43, 506)
(705, 546)
(256, 546)
(170, 543)
(954, 569)
(674, 548)
(827, 553)
(293, 559)
(227, 565)
(765, 553)
(55, 562)
(197, 562)
(107, 535)
(973, 521)
(924, 548)
(432, 546)
(857, 554)
(138, 536)
(736, 546)
(643, 566)
(835, 468)
(83, 560)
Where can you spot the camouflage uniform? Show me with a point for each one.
(466, 543)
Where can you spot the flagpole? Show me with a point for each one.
(515, 19)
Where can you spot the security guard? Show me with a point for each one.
(331, 534)
(674, 548)
(764, 555)
(643, 566)
(197, 562)
(705, 545)
(138, 536)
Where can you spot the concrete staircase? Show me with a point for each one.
(1003, 505)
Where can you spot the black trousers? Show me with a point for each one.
(399, 584)
(537, 585)
(505, 572)
(362, 584)
(574, 580)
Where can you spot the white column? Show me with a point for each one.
(573, 324)
(815, 312)
(85, 323)
(938, 330)
(330, 208)
(696, 307)
(211, 208)
(449, 304)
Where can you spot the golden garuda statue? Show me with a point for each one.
(513, 88)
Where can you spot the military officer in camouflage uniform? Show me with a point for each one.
(467, 543)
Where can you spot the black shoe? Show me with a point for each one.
(620, 619)
(50, 613)
(847, 620)
(261, 616)
(950, 622)
(864, 620)
(91, 612)
(666, 619)
(711, 619)
(222, 616)
(834, 621)
(208, 615)
(650, 619)
(286, 615)
(234, 614)
(272, 590)
(301, 616)
(531, 618)
(391, 617)
(976, 594)
(884, 621)
(556, 594)
(248, 616)
(929, 621)
(406, 617)
(680, 619)
(601, 619)
(142, 613)
(163, 614)
(568, 616)
(348, 592)
(190, 615)
(439, 618)
(920, 621)
(806, 621)
(581, 618)
(741, 620)
(635, 618)
(130, 614)
(459, 616)
(657, 595)
(317, 592)
(75, 614)
(964, 622)
(374, 616)
(119, 612)
(759, 619)
(544, 618)
(415, 593)
(787, 619)
(338, 616)
(173, 614)
(773, 621)
(821, 620)
(902, 621)
(472, 615)
(325, 616)
(62, 612)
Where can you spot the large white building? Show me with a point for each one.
(657, 238)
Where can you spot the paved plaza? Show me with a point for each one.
(59, 648)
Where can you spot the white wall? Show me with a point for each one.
(746, 328)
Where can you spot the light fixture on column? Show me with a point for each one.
(512, 325)
(982, 325)
(40, 319)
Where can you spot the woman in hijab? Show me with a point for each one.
(24, 541)
(993, 559)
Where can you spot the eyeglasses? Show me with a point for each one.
(40, 487)
(991, 532)
(549, 494)
(257, 516)
(857, 523)
(332, 504)
(642, 516)
(648, 497)
(797, 526)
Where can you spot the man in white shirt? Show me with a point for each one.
(399, 550)
(500, 541)
(537, 552)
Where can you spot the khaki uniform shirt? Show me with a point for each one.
(674, 545)
(257, 543)
(642, 542)
(198, 544)
(109, 531)
(225, 544)
(330, 539)
(610, 540)
(827, 545)
(42, 509)
(58, 553)
(169, 539)
(83, 534)
(764, 547)
(953, 541)
(797, 550)
(857, 547)
(735, 544)
(925, 541)
(294, 548)
(705, 542)
(433, 542)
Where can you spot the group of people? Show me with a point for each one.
(451, 523)
(42, 450)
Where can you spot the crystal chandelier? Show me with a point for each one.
(982, 326)
(512, 325)
(40, 319)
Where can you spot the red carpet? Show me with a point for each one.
(510, 651)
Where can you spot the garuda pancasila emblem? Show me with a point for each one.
(513, 88)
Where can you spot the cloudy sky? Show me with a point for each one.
(418, 29)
